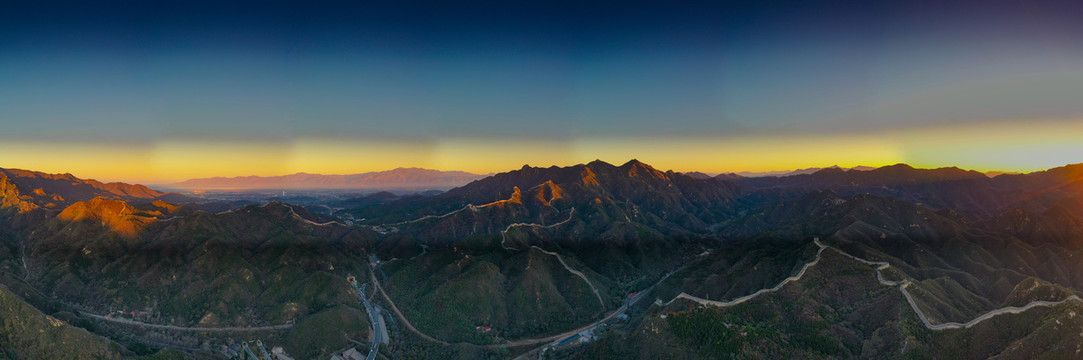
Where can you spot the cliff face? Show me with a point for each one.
(60, 190)
(11, 198)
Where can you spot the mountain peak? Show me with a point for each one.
(829, 170)
(599, 162)
(635, 168)
(899, 166)
(547, 192)
(114, 215)
(698, 175)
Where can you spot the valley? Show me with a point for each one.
(557, 263)
(541, 180)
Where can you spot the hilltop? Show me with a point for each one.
(26, 190)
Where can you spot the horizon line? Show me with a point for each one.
(783, 172)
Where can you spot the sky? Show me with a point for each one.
(157, 92)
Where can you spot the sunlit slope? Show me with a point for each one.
(27, 333)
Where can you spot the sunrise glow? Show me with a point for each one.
(1017, 146)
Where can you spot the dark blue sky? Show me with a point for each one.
(143, 71)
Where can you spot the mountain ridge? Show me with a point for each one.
(24, 191)
(539, 250)
(603, 195)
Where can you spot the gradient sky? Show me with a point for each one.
(162, 91)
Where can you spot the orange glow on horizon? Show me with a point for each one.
(1018, 146)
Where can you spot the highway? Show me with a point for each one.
(522, 342)
(379, 329)
(395, 309)
(557, 338)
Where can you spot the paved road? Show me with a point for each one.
(379, 335)
(405, 321)
(522, 342)
(556, 338)
(379, 329)
(182, 328)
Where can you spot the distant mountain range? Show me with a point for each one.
(531, 254)
(400, 178)
(812, 170)
(418, 178)
(797, 172)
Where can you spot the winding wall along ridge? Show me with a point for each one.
(575, 272)
(880, 266)
(504, 234)
(742, 299)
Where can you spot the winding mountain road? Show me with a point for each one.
(521, 342)
(395, 309)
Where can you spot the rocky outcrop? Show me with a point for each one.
(11, 198)
(114, 215)
(60, 190)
